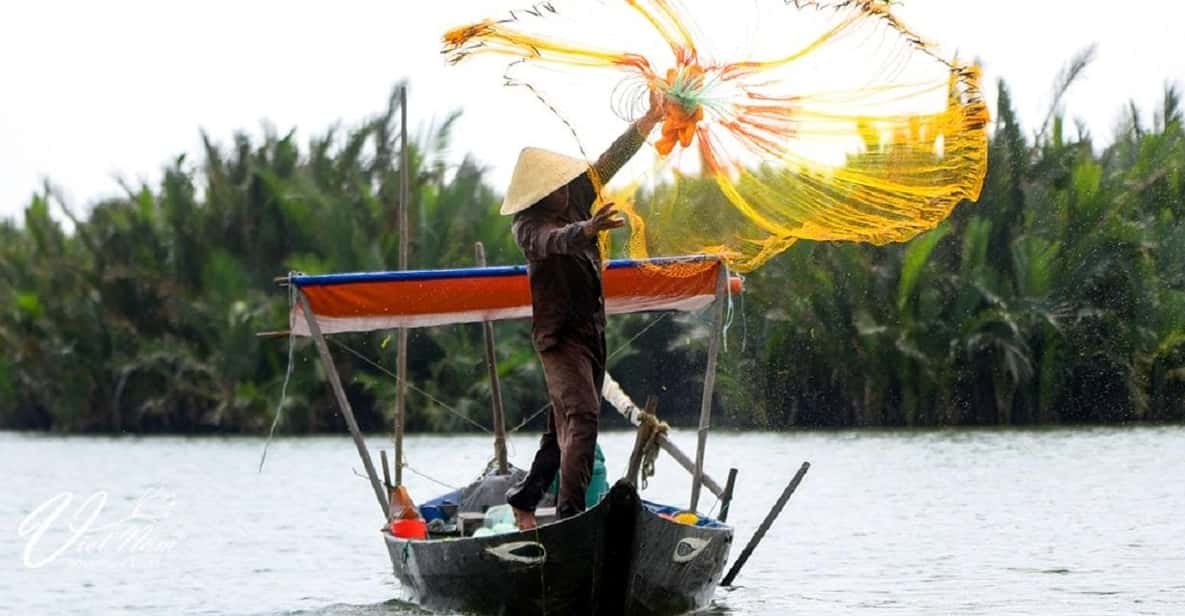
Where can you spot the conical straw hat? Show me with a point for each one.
(537, 174)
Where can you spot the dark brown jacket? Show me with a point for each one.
(563, 264)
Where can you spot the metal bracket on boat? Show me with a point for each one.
(688, 548)
(512, 552)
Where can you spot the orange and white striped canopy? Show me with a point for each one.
(373, 301)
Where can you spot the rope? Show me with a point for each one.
(651, 428)
(627, 343)
(728, 311)
(744, 324)
(712, 511)
(528, 420)
(625, 346)
(433, 480)
(410, 386)
(287, 376)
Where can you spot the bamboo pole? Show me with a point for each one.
(340, 393)
(726, 499)
(487, 329)
(386, 468)
(404, 240)
(705, 412)
(613, 394)
(765, 524)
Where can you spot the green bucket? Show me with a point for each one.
(598, 486)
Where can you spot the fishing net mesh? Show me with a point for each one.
(827, 121)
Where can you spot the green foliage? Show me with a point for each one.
(1059, 297)
(916, 256)
(143, 317)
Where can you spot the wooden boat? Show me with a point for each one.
(619, 557)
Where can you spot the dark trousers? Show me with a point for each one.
(575, 371)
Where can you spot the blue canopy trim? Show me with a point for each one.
(302, 280)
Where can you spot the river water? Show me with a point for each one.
(1075, 521)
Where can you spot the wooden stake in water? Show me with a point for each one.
(404, 240)
(765, 524)
(487, 329)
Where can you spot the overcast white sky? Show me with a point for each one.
(94, 90)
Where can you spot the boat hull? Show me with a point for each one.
(676, 567)
(619, 557)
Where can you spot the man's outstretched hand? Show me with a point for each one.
(658, 106)
(604, 219)
(654, 115)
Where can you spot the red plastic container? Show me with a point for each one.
(410, 529)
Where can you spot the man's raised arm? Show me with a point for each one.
(628, 144)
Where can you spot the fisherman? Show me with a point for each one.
(551, 197)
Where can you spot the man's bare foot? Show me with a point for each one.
(525, 520)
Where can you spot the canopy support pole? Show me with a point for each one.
(705, 412)
(404, 240)
(487, 329)
(613, 394)
(726, 498)
(344, 404)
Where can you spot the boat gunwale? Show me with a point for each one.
(716, 525)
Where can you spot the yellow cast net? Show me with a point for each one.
(827, 121)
